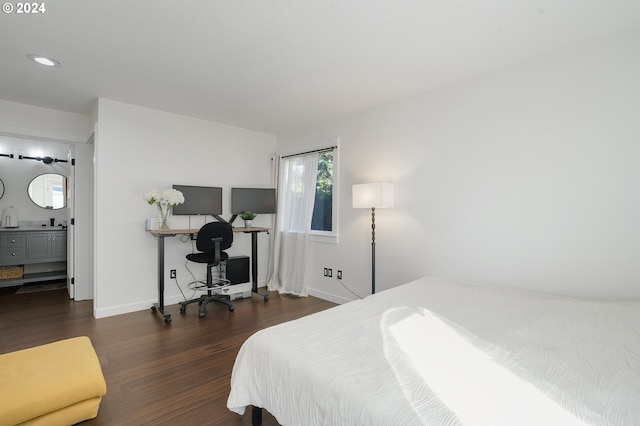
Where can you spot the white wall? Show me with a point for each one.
(42, 123)
(137, 149)
(529, 177)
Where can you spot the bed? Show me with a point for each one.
(442, 352)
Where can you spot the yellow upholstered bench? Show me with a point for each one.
(60, 383)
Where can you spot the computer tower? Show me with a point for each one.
(237, 272)
(238, 269)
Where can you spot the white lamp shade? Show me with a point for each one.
(367, 195)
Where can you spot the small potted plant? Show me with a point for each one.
(247, 216)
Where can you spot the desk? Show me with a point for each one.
(161, 235)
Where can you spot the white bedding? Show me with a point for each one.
(440, 352)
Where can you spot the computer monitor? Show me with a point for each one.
(257, 200)
(199, 200)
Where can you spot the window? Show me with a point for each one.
(322, 219)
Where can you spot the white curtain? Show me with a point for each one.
(296, 195)
(275, 179)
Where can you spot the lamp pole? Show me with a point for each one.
(373, 250)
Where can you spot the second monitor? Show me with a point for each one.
(257, 200)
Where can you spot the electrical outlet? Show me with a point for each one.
(330, 272)
(326, 272)
(339, 274)
(172, 273)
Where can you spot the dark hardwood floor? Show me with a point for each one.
(156, 374)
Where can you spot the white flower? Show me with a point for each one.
(169, 196)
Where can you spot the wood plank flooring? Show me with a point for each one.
(156, 374)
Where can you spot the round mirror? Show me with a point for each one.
(1, 188)
(49, 191)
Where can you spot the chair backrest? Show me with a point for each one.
(214, 230)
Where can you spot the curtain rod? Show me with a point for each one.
(329, 148)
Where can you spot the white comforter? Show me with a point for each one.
(440, 352)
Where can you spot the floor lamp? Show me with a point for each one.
(373, 195)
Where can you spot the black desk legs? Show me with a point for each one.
(254, 265)
(256, 416)
(160, 305)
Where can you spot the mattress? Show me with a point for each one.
(442, 352)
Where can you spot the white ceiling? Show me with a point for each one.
(273, 64)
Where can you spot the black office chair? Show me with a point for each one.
(213, 238)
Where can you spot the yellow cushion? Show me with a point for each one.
(38, 381)
(76, 413)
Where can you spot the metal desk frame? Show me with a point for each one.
(161, 235)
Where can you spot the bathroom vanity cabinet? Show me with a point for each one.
(42, 252)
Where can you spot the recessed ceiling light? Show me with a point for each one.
(43, 60)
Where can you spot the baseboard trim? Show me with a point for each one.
(328, 296)
(174, 300)
(139, 306)
(134, 307)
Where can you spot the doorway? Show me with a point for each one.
(75, 161)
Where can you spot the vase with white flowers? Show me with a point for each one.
(164, 199)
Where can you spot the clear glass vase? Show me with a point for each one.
(164, 211)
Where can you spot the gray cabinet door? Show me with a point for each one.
(46, 246)
(38, 245)
(59, 245)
